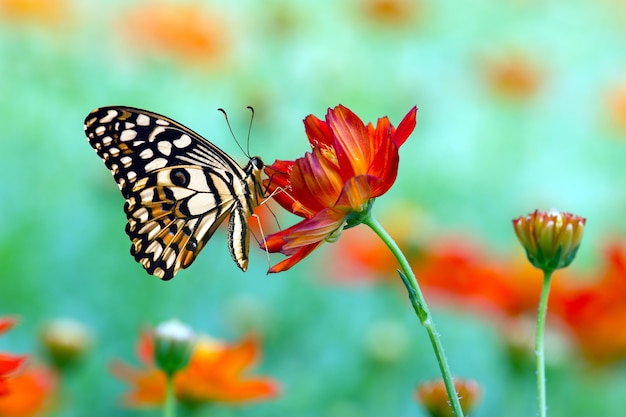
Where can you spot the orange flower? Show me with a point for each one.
(434, 397)
(8, 363)
(392, 12)
(513, 77)
(332, 186)
(30, 392)
(214, 374)
(616, 107)
(186, 31)
(53, 11)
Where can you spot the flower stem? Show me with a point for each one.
(421, 310)
(169, 409)
(539, 342)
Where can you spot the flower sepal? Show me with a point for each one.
(173, 345)
(356, 218)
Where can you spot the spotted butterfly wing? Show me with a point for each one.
(178, 187)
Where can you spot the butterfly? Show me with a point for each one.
(179, 187)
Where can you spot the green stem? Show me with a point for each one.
(539, 342)
(421, 310)
(169, 409)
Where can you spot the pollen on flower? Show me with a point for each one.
(329, 154)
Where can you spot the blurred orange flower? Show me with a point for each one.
(616, 107)
(434, 397)
(52, 11)
(214, 374)
(8, 363)
(186, 31)
(392, 12)
(30, 392)
(514, 76)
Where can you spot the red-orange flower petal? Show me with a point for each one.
(351, 141)
(405, 128)
(9, 363)
(215, 373)
(318, 132)
(6, 323)
(316, 180)
(148, 385)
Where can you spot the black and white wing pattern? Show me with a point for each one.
(178, 187)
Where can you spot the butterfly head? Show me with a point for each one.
(256, 163)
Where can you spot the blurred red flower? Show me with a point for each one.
(595, 313)
(349, 165)
(455, 269)
(455, 272)
(24, 390)
(452, 270)
(8, 363)
(30, 392)
(214, 374)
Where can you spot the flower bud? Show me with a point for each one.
(173, 345)
(551, 239)
(65, 341)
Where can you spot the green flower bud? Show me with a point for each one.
(173, 345)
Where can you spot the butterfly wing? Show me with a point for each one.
(178, 186)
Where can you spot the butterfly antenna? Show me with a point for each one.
(232, 133)
(250, 127)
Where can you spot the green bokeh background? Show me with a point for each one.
(475, 161)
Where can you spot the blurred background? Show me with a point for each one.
(522, 105)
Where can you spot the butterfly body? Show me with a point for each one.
(179, 187)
